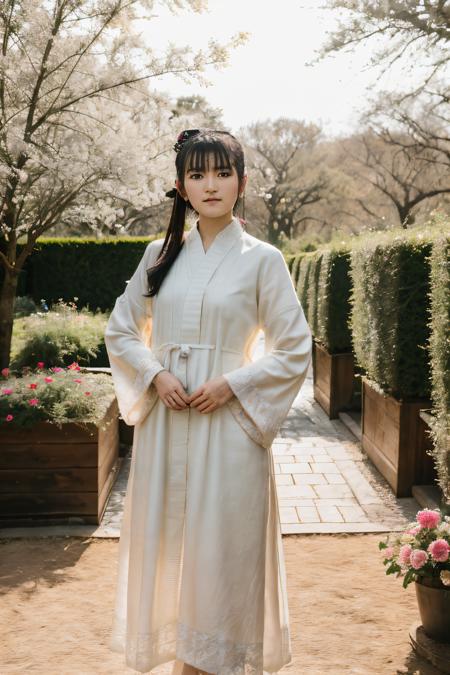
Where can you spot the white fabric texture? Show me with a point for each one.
(201, 574)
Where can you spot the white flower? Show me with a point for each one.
(445, 577)
(408, 539)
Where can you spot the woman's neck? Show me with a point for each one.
(208, 228)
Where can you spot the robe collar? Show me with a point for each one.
(221, 241)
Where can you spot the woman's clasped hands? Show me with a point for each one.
(206, 398)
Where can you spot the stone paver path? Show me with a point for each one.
(325, 482)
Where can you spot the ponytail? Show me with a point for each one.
(200, 142)
(173, 243)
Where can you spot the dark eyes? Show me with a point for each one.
(227, 173)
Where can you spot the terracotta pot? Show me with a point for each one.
(434, 607)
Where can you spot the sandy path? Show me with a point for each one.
(347, 616)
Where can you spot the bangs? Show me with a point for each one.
(197, 158)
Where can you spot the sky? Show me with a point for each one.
(268, 77)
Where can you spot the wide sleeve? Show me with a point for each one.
(127, 337)
(266, 388)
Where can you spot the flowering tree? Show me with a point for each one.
(77, 119)
(284, 173)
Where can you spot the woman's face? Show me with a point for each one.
(212, 193)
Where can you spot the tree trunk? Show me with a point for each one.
(272, 232)
(7, 298)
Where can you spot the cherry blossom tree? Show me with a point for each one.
(78, 121)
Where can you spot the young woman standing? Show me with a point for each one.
(201, 576)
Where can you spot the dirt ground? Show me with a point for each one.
(346, 615)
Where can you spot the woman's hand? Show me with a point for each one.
(211, 395)
(170, 390)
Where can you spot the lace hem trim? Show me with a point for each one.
(213, 653)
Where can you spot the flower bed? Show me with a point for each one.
(60, 439)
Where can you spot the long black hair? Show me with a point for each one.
(192, 154)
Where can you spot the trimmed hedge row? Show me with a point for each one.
(92, 270)
(389, 299)
(439, 346)
(322, 280)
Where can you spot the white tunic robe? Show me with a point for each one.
(201, 573)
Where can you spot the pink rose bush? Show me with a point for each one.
(56, 395)
(422, 550)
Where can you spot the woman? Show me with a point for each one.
(201, 576)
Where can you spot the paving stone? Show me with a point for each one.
(288, 515)
(284, 479)
(324, 467)
(309, 479)
(290, 491)
(335, 478)
(308, 514)
(298, 467)
(333, 491)
(353, 514)
(285, 459)
(295, 502)
(329, 514)
(302, 458)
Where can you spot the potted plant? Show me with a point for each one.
(422, 554)
(59, 438)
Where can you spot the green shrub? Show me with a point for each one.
(439, 346)
(93, 270)
(24, 306)
(57, 337)
(323, 287)
(391, 283)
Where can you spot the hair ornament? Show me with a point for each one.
(172, 193)
(183, 137)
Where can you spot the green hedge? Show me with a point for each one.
(322, 281)
(439, 346)
(391, 283)
(92, 270)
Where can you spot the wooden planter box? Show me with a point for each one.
(51, 474)
(391, 436)
(333, 378)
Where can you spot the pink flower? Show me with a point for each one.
(428, 518)
(74, 366)
(404, 555)
(388, 552)
(9, 418)
(33, 401)
(76, 380)
(439, 550)
(40, 364)
(414, 530)
(7, 391)
(5, 372)
(33, 385)
(48, 379)
(56, 369)
(418, 558)
(88, 393)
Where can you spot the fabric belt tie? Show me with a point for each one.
(185, 349)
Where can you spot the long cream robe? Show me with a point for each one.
(201, 573)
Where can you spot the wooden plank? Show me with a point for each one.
(47, 455)
(333, 378)
(48, 480)
(51, 504)
(109, 460)
(390, 436)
